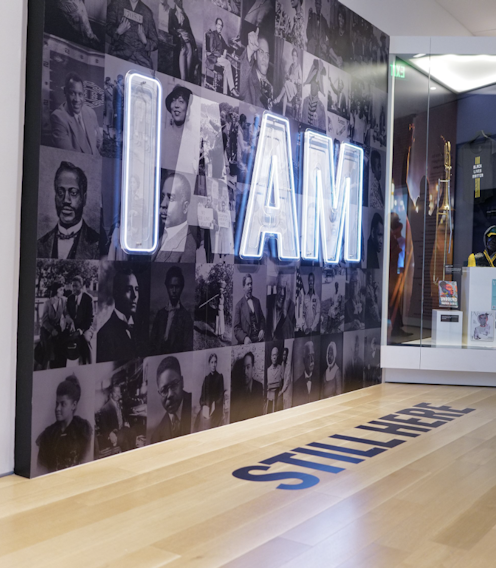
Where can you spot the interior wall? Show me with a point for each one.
(404, 18)
(12, 41)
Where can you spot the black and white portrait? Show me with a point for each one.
(340, 48)
(171, 308)
(353, 343)
(288, 79)
(377, 179)
(221, 65)
(372, 374)
(278, 385)
(120, 408)
(69, 205)
(281, 316)
(379, 120)
(132, 31)
(354, 306)
(360, 112)
(306, 370)
(256, 67)
(247, 381)
(314, 93)
(338, 93)
(333, 299)
(211, 388)
(63, 419)
(65, 313)
(375, 240)
(170, 381)
(124, 301)
(318, 31)
(258, 14)
(181, 133)
(178, 232)
(373, 299)
(78, 21)
(180, 39)
(250, 120)
(213, 305)
(73, 97)
(249, 325)
(331, 365)
(308, 310)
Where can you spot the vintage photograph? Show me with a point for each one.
(373, 299)
(69, 205)
(211, 388)
(73, 97)
(278, 384)
(247, 381)
(314, 92)
(340, 48)
(354, 306)
(179, 235)
(215, 212)
(338, 93)
(375, 239)
(318, 31)
(333, 299)
(66, 303)
(120, 408)
(291, 22)
(180, 39)
(353, 352)
(360, 112)
(249, 291)
(78, 21)
(331, 365)
(213, 312)
(372, 373)
(379, 106)
(377, 179)
(171, 381)
(281, 315)
(482, 326)
(307, 384)
(288, 79)
(132, 31)
(308, 311)
(223, 50)
(250, 119)
(124, 303)
(181, 131)
(172, 304)
(62, 419)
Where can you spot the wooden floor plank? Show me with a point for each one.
(429, 502)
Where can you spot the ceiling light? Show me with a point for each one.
(433, 88)
(459, 73)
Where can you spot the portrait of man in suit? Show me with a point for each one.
(307, 387)
(281, 319)
(177, 242)
(71, 238)
(116, 339)
(80, 310)
(172, 330)
(247, 394)
(353, 371)
(114, 428)
(255, 87)
(175, 400)
(249, 321)
(74, 124)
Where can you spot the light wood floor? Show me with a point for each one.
(429, 503)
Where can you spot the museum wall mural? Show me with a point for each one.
(117, 350)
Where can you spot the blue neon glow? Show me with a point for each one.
(331, 203)
(272, 201)
(140, 199)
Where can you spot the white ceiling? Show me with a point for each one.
(478, 16)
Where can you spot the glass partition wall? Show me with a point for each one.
(442, 255)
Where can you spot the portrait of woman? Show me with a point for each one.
(185, 51)
(211, 398)
(52, 325)
(66, 442)
(294, 29)
(332, 380)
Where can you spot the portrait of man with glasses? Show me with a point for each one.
(72, 238)
(175, 401)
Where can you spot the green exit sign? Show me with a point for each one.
(397, 71)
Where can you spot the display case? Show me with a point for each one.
(440, 304)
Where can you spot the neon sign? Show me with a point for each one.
(332, 204)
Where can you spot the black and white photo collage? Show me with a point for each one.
(132, 350)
